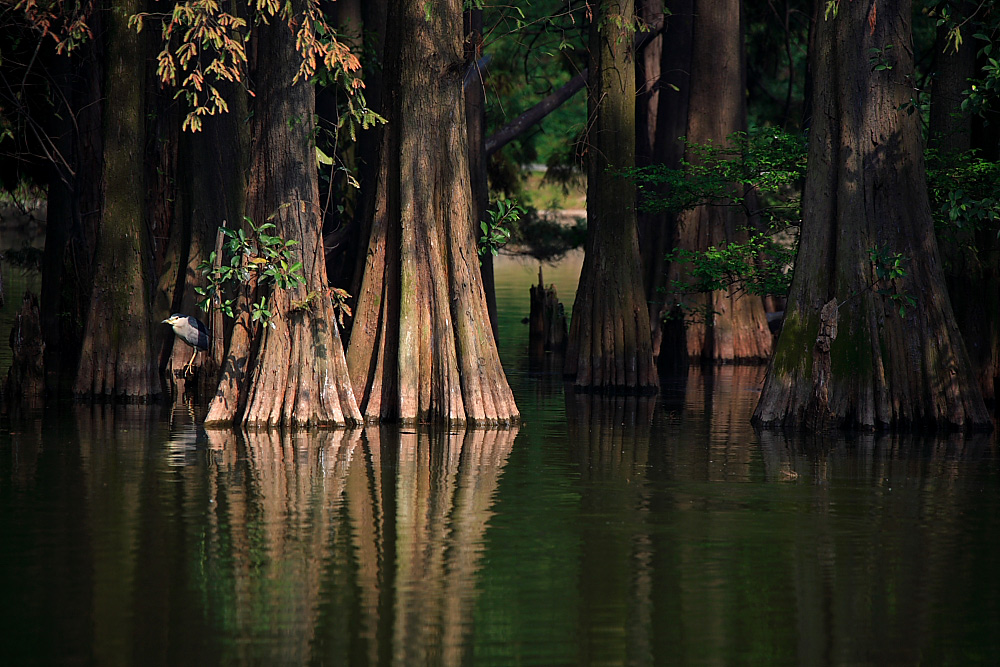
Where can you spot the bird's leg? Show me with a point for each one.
(187, 368)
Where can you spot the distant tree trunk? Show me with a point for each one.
(846, 357)
(213, 192)
(726, 327)
(950, 127)
(664, 82)
(116, 359)
(475, 114)
(26, 376)
(971, 258)
(73, 207)
(421, 347)
(340, 199)
(374, 13)
(609, 340)
(294, 372)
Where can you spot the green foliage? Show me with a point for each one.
(964, 191)
(504, 214)
(760, 265)
(890, 266)
(878, 58)
(250, 260)
(536, 47)
(26, 258)
(983, 23)
(760, 171)
(546, 238)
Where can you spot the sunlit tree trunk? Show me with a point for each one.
(723, 326)
(847, 357)
(116, 359)
(609, 341)
(292, 371)
(421, 346)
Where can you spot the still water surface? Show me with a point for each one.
(602, 530)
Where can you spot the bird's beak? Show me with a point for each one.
(166, 321)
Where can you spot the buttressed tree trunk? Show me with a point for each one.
(294, 372)
(421, 346)
(727, 326)
(116, 359)
(846, 356)
(609, 341)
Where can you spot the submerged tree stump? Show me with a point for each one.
(546, 320)
(26, 377)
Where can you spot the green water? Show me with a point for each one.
(601, 531)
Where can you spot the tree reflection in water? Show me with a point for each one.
(873, 580)
(351, 546)
(611, 436)
(619, 532)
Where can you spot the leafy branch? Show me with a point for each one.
(759, 171)
(254, 259)
(504, 214)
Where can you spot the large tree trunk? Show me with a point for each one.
(609, 340)
(421, 347)
(297, 370)
(116, 359)
(727, 326)
(846, 356)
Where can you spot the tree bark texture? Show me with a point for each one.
(609, 340)
(663, 80)
(293, 371)
(421, 346)
(846, 357)
(727, 327)
(116, 359)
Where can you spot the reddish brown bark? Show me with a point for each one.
(726, 327)
(609, 340)
(421, 346)
(846, 357)
(292, 371)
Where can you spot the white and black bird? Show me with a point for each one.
(190, 330)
